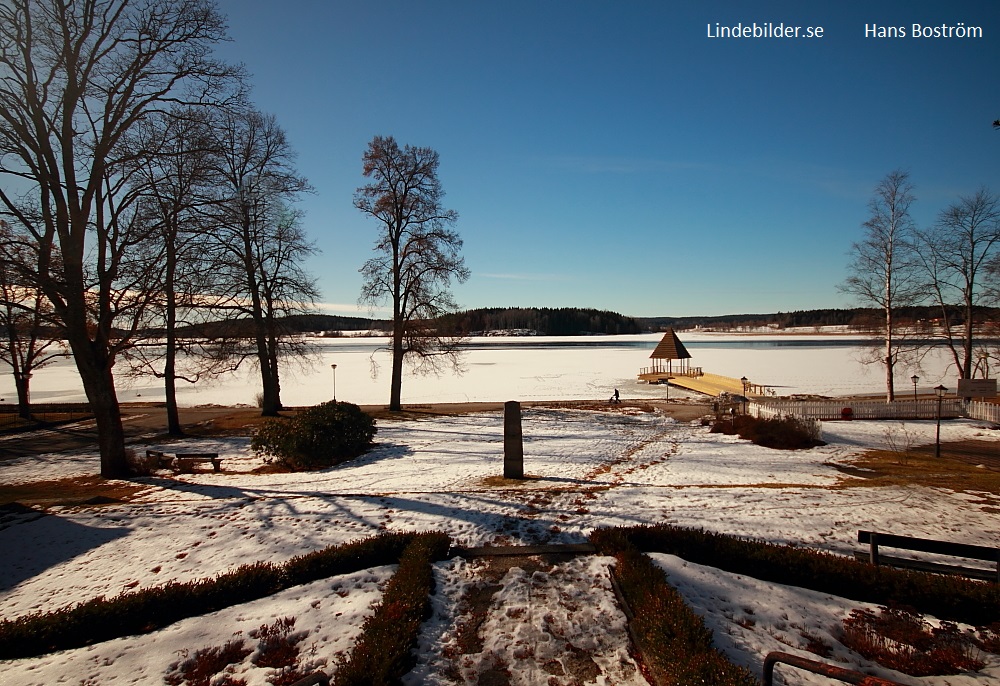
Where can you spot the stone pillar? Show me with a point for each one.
(513, 445)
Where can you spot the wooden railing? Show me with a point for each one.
(859, 409)
(691, 371)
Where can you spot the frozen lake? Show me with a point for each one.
(530, 368)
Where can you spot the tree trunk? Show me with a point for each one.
(272, 355)
(966, 371)
(270, 403)
(170, 361)
(396, 383)
(99, 383)
(21, 383)
(890, 388)
(170, 388)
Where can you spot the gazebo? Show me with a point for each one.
(666, 352)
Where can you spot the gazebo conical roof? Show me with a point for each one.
(670, 348)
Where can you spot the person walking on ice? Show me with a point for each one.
(615, 398)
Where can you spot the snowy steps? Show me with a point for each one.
(538, 614)
(518, 550)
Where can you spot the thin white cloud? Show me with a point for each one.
(351, 310)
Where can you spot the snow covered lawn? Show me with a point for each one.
(588, 469)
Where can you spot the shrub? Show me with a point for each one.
(385, 650)
(946, 597)
(900, 639)
(140, 464)
(200, 668)
(676, 645)
(318, 437)
(785, 433)
(148, 609)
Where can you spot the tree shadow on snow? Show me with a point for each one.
(32, 547)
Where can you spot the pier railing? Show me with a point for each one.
(691, 371)
(870, 409)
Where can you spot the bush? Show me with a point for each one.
(385, 650)
(947, 597)
(676, 645)
(786, 433)
(140, 464)
(319, 437)
(900, 639)
(148, 609)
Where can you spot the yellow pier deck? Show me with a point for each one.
(709, 384)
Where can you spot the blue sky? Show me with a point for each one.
(612, 155)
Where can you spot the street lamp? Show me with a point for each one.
(937, 436)
(745, 381)
(334, 368)
(914, 379)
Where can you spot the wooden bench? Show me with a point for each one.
(187, 461)
(164, 459)
(927, 545)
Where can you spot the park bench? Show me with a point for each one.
(164, 459)
(182, 462)
(187, 461)
(927, 545)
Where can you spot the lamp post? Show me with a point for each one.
(937, 435)
(745, 381)
(334, 368)
(914, 379)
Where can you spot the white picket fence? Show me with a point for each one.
(869, 409)
(987, 412)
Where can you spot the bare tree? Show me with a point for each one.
(75, 78)
(882, 268)
(174, 158)
(957, 254)
(31, 339)
(260, 245)
(417, 254)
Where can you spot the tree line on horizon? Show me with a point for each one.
(545, 321)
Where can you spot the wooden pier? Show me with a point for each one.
(683, 375)
(716, 384)
(694, 379)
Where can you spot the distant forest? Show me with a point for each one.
(545, 321)
(571, 321)
(861, 319)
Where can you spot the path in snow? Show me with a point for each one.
(524, 621)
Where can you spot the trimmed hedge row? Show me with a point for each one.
(148, 609)
(676, 645)
(946, 597)
(384, 652)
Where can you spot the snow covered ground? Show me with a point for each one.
(552, 624)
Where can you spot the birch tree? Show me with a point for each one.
(882, 271)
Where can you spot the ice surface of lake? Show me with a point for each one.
(530, 368)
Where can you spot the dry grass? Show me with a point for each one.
(68, 492)
(919, 468)
(240, 422)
